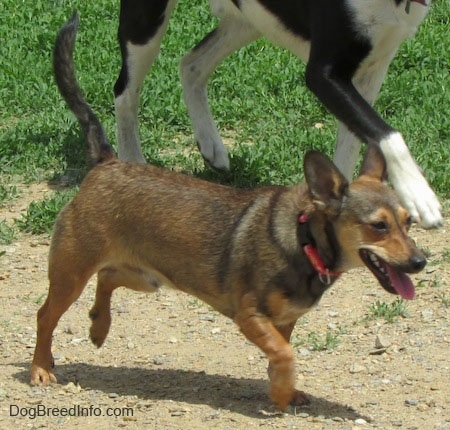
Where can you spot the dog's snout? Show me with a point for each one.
(417, 263)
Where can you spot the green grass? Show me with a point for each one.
(7, 233)
(316, 342)
(258, 98)
(41, 215)
(388, 311)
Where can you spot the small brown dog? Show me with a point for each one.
(262, 257)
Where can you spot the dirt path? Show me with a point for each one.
(170, 362)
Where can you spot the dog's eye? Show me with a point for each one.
(380, 226)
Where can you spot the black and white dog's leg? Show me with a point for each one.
(368, 81)
(346, 154)
(402, 170)
(232, 33)
(142, 25)
(409, 182)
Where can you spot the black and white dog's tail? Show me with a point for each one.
(98, 147)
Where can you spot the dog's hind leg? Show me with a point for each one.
(142, 26)
(64, 289)
(232, 34)
(100, 314)
(108, 279)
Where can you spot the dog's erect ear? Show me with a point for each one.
(327, 185)
(374, 164)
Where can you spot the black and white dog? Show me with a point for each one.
(347, 44)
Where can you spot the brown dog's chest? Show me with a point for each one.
(292, 294)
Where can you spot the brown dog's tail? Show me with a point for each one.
(98, 147)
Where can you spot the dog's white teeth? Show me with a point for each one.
(374, 259)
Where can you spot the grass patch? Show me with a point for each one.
(388, 311)
(7, 233)
(446, 255)
(7, 193)
(40, 216)
(444, 299)
(316, 342)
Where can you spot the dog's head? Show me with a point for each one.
(368, 224)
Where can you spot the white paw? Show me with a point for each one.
(418, 199)
(214, 153)
(408, 181)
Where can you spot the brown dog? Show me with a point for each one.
(262, 257)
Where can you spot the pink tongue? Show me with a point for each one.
(401, 283)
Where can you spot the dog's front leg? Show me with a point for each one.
(299, 398)
(336, 90)
(261, 331)
(367, 80)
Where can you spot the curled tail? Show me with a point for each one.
(98, 147)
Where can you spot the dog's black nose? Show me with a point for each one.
(417, 263)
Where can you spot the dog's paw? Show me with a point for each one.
(300, 398)
(41, 376)
(418, 198)
(409, 183)
(215, 155)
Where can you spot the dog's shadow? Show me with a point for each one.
(244, 396)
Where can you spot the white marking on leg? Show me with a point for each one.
(196, 67)
(347, 151)
(410, 184)
(271, 27)
(139, 60)
(367, 80)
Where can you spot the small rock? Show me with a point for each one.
(173, 340)
(72, 388)
(360, 422)
(423, 407)
(410, 402)
(158, 361)
(215, 330)
(378, 351)
(427, 315)
(382, 342)
(357, 368)
(338, 419)
(304, 352)
(113, 395)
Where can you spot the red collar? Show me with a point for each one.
(306, 240)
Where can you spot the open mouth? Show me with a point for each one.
(391, 279)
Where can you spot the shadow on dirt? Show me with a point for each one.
(244, 396)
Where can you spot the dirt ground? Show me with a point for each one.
(171, 362)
